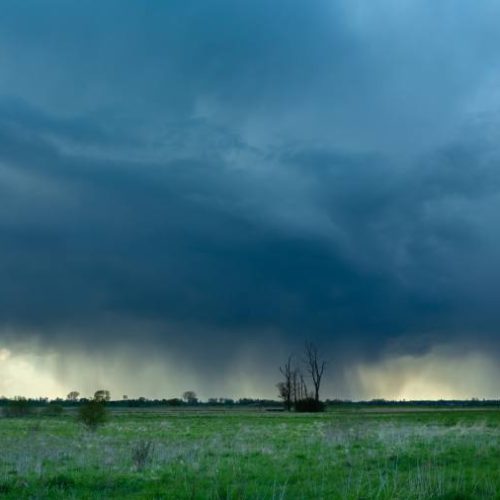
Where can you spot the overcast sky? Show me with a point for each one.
(208, 183)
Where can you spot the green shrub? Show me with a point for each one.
(61, 481)
(93, 413)
(141, 454)
(53, 410)
(174, 402)
(309, 405)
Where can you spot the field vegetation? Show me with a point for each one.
(205, 453)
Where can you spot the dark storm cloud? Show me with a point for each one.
(197, 242)
(295, 167)
(383, 75)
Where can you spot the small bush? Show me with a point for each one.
(141, 454)
(92, 414)
(5, 488)
(309, 405)
(35, 427)
(18, 407)
(53, 410)
(61, 481)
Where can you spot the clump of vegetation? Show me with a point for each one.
(293, 389)
(18, 407)
(309, 405)
(141, 454)
(35, 427)
(93, 412)
(53, 410)
(190, 397)
(102, 395)
(73, 396)
(174, 402)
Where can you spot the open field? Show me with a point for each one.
(450, 454)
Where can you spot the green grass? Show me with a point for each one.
(345, 454)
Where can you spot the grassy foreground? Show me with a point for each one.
(202, 455)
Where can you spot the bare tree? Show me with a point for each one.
(285, 388)
(295, 385)
(303, 392)
(284, 394)
(315, 367)
(299, 386)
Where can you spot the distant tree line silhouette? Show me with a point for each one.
(25, 407)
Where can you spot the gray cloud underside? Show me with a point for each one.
(300, 167)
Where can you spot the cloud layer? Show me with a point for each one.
(206, 176)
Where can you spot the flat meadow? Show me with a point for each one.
(234, 454)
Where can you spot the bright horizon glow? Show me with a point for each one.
(433, 376)
(436, 375)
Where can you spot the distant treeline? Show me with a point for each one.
(143, 402)
(419, 403)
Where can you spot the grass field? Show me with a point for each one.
(217, 455)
